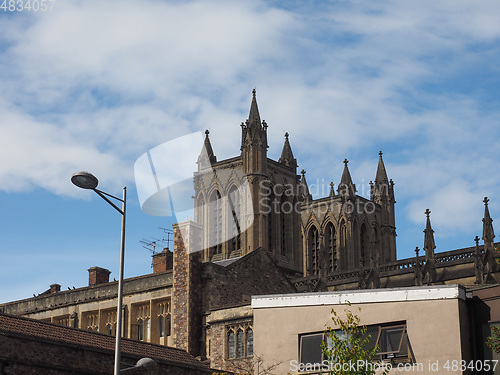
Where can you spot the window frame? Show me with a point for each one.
(140, 330)
(310, 335)
(231, 354)
(238, 350)
(381, 328)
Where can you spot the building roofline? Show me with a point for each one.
(420, 293)
(69, 292)
(69, 336)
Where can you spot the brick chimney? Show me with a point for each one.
(162, 261)
(98, 275)
(187, 287)
(55, 288)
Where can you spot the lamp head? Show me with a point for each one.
(84, 180)
(145, 362)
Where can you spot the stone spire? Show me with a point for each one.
(429, 244)
(254, 142)
(429, 273)
(287, 154)
(303, 188)
(254, 116)
(346, 186)
(478, 263)
(488, 234)
(381, 176)
(418, 269)
(489, 262)
(383, 188)
(332, 190)
(254, 131)
(207, 157)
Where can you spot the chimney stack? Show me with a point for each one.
(98, 275)
(162, 261)
(55, 288)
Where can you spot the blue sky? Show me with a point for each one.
(92, 85)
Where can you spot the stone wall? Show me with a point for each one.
(234, 284)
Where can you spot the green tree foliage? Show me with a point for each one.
(494, 340)
(347, 348)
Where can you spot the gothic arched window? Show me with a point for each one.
(140, 330)
(249, 342)
(343, 245)
(240, 340)
(231, 349)
(331, 243)
(269, 207)
(354, 253)
(364, 241)
(161, 325)
(313, 240)
(286, 212)
(215, 220)
(234, 218)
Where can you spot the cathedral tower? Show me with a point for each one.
(249, 201)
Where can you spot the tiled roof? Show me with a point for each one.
(74, 336)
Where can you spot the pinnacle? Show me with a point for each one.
(381, 173)
(287, 154)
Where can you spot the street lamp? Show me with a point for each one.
(141, 363)
(87, 180)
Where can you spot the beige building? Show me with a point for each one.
(422, 329)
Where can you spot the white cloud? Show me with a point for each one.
(94, 84)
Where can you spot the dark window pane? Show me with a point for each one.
(390, 339)
(372, 332)
(167, 325)
(140, 330)
(310, 348)
(161, 323)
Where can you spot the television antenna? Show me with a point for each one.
(170, 235)
(150, 245)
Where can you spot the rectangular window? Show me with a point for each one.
(168, 325)
(231, 344)
(161, 323)
(140, 330)
(241, 344)
(392, 340)
(249, 342)
(148, 329)
(310, 348)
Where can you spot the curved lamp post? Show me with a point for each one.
(87, 180)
